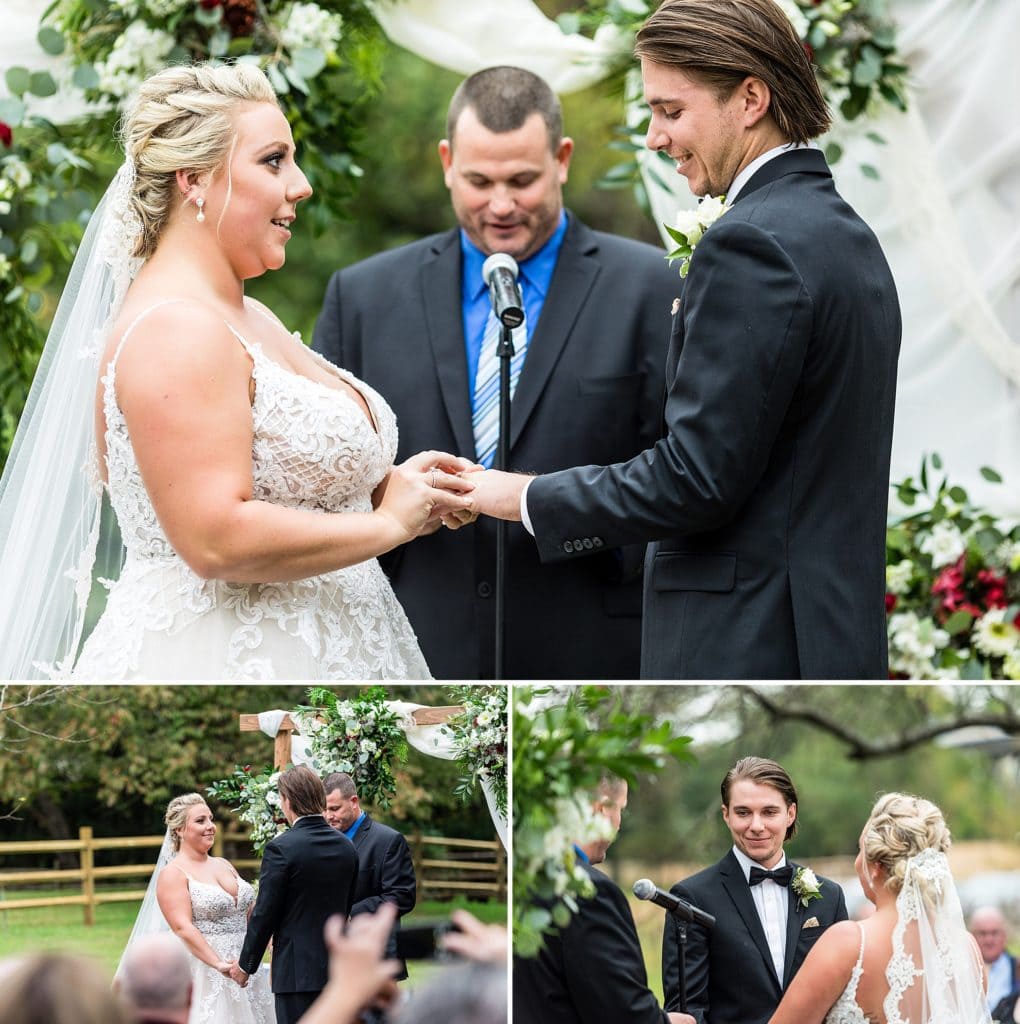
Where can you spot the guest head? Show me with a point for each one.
(741, 77)
(465, 994)
(988, 927)
(759, 806)
(505, 160)
(155, 980)
(609, 801)
(213, 160)
(900, 827)
(190, 823)
(301, 793)
(54, 988)
(343, 808)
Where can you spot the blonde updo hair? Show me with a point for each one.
(177, 815)
(900, 827)
(182, 118)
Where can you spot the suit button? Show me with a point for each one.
(597, 541)
(588, 543)
(578, 545)
(484, 589)
(567, 546)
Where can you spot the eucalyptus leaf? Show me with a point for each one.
(991, 475)
(85, 76)
(833, 151)
(308, 61)
(18, 80)
(12, 110)
(51, 40)
(276, 78)
(208, 18)
(29, 250)
(870, 171)
(295, 79)
(41, 84)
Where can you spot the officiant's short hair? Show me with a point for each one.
(303, 788)
(763, 772)
(721, 42)
(503, 98)
(340, 782)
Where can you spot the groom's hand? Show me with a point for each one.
(236, 974)
(498, 494)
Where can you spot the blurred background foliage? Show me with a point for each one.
(113, 756)
(675, 816)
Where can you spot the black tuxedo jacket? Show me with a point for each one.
(385, 875)
(767, 492)
(308, 874)
(592, 970)
(590, 392)
(730, 975)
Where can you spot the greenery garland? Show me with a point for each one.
(563, 745)
(479, 735)
(254, 798)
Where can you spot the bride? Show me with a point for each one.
(912, 961)
(252, 481)
(204, 901)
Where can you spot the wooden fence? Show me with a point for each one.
(443, 867)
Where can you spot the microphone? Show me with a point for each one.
(499, 272)
(645, 889)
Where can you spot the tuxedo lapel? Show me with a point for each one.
(444, 330)
(795, 919)
(576, 270)
(739, 891)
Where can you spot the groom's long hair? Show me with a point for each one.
(764, 772)
(303, 788)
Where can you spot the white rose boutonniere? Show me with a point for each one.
(690, 226)
(806, 886)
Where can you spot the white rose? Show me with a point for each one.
(808, 879)
(689, 225)
(710, 209)
(945, 544)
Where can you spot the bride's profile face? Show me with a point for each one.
(251, 203)
(199, 830)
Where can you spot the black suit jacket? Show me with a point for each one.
(385, 875)
(308, 874)
(592, 970)
(768, 491)
(590, 391)
(730, 975)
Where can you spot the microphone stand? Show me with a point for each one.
(681, 948)
(505, 353)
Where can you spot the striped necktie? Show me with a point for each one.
(485, 407)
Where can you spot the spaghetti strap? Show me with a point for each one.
(134, 323)
(860, 955)
(173, 863)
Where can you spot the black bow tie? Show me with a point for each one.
(781, 876)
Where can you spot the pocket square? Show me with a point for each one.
(811, 922)
(676, 306)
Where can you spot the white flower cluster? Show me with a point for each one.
(898, 576)
(691, 225)
(164, 8)
(796, 16)
(308, 25)
(261, 806)
(137, 52)
(914, 644)
(945, 544)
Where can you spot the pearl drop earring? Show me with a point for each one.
(200, 202)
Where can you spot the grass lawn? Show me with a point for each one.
(61, 928)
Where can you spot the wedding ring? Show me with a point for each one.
(432, 479)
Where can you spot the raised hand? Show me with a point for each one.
(487, 943)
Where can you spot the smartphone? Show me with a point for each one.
(421, 941)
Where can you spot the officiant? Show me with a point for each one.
(587, 383)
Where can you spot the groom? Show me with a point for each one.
(767, 493)
(308, 874)
(768, 912)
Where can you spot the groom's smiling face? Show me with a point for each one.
(758, 818)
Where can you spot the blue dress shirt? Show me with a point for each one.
(353, 830)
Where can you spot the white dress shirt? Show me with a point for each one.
(772, 902)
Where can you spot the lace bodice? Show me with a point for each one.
(313, 449)
(216, 913)
(845, 1009)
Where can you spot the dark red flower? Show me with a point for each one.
(6, 135)
(239, 16)
(208, 5)
(890, 602)
(995, 588)
(949, 583)
(809, 50)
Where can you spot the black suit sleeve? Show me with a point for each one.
(353, 885)
(746, 323)
(696, 964)
(269, 907)
(396, 878)
(604, 969)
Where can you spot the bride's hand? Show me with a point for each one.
(423, 490)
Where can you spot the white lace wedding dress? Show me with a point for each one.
(215, 999)
(313, 448)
